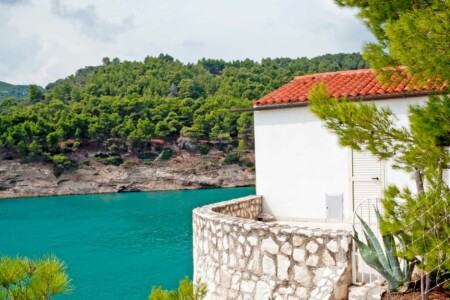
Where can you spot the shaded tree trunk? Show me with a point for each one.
(419, 181)
(425, 278)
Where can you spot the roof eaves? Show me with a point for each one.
(358, 98)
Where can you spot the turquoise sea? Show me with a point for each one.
(116, 246)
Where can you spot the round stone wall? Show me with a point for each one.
(241, 258)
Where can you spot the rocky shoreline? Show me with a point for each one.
(19, 179)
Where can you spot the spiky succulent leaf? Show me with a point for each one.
(370, 257)
(391, 253)
(374, 243)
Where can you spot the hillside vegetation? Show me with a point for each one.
(9, 90)
(127, 107)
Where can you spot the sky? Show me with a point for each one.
(44, 40)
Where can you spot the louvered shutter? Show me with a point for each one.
(367, 182)
(335, 207)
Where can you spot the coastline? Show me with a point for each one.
(26, 180)
(106, 192)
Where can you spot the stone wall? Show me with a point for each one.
(246, 208)
(240, 258)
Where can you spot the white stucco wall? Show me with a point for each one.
(400, 108)
(298, 161)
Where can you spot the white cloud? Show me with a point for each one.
(12, 2)
(50, 39)
(91, 24)
(19, 53)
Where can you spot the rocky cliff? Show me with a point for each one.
(185, 171)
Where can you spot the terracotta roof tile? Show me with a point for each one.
(361, 83)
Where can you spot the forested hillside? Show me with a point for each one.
(122, 107)
(10, 90)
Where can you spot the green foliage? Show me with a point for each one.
(101, 155)
(203, 149)
(147, 155)
(35, 94)
(383, 259)
(409, 33)
(166, 154)
(158, 293)
(121, 106)
(186, 290)
(242, 145)
(366, 127)
(23, 278)
(421, 221)
(433, 121)
(129, 163)
(14, 91)
(232, 158)
(61, 163)
(109, 158)
(115, 160)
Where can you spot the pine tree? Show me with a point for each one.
(422, 220)
(412, 33)
(23, 278)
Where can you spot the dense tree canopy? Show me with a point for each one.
(9, 90)
(125, 104)
(413, 33)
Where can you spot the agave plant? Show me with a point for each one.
(383, 259)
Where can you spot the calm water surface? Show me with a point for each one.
(116, 246)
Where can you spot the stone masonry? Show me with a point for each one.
(241, 258)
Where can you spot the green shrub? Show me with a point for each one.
(114, 160)
(61, 163)
(86, 162)
(166, 154)
(242, 146)
(203, 148)
(232, 158)
(147, 155)
(101, 155)
(186, 290)
(76, 145)
(224, 148)
(26, 279)
(249, 164)
(158, 293)
(130, 162)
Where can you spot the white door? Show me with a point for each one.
(367, 187)
(367, 182)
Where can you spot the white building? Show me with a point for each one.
(299, 164)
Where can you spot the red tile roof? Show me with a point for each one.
(352, 84)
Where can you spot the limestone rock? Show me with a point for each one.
(312, 260)
(299, 255)
(286, 249)
(184, 171)
(268, 265)
(247, 286)
(263, 290)
(302, 275)
(283, 264)
(312, 247)
(333, 246)
(269, 245)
